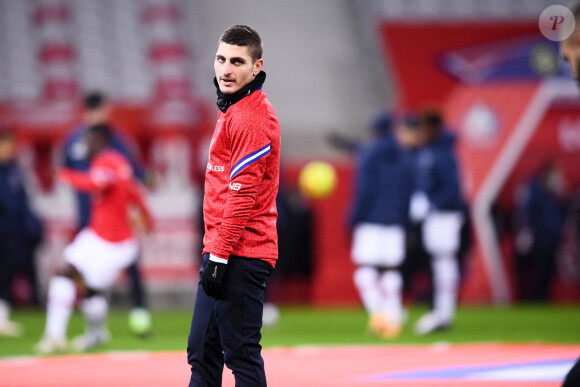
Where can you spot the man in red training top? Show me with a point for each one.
(240, 242)
(100, 251)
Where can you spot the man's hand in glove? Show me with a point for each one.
(212, 277)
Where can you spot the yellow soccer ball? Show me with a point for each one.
(140, 321)
(317, 180)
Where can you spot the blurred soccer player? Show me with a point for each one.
(378, 219)
(101, 250)
(97, 110)
(570, 50)
(437, 202)
(15, 215)
(540, 213)
(240, 242)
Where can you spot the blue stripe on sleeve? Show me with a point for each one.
(249, 159)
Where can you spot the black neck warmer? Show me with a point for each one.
(224, 101)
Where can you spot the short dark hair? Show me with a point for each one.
(245, 36)
(574, 7)
(102, 131)
(383, 124)
(411, 120)
(94, 100)
(6, 134)
(432, 119)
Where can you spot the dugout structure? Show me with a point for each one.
(507, 132)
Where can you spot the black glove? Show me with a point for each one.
(212, 277)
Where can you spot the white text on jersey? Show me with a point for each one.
(215, 168)
(235, 186)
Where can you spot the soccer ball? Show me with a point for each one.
(140, 321)
(317, 180)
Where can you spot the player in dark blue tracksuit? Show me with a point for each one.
(381, 174)
(437, 173)
(540, 219)
(76, 157)
(437, 202)
(17, 225)
(378, 220)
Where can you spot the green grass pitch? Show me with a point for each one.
(313, 326)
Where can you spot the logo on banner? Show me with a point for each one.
(569, 134)
(481, 125)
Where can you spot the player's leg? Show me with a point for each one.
(445, 281)
(366, 256)
(7, 327)
(366, 280)
(139, 317)
(78, 256)
(379, 296)
(392, 243)
(204, 349)
(441, 234)
(81, 258)
(391, 284)
(545, 257)
(99, 270)
(59, 307)
(137, 285)
(95, 309)
(239, 319)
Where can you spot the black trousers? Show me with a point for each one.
(137, 286)
(7, 262)
(573, 376)
(228, 331)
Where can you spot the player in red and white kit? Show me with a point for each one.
(100, 251)
(240, 242)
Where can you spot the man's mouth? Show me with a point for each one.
(228, 81)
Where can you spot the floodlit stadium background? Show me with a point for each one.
(333, 66)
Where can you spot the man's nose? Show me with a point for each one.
(227, 69)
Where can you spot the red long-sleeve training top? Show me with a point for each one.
(241, 182)
(114, 190)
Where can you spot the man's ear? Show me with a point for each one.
(574, 39)
(258, 66)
